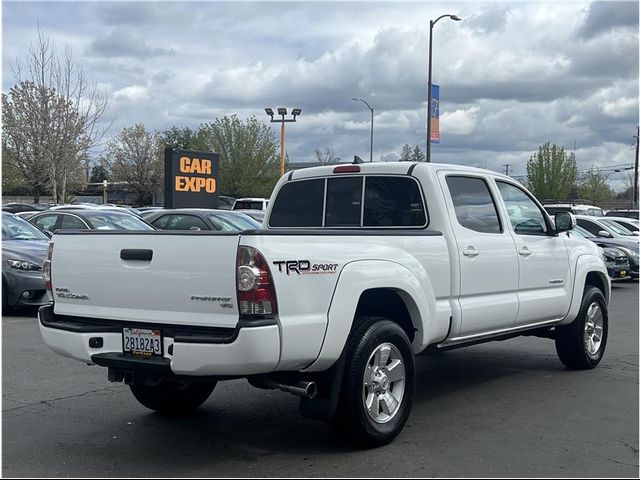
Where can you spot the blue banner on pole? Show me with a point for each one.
(434, 113)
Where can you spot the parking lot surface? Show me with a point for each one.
(502, 409)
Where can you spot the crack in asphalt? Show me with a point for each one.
(49, 401)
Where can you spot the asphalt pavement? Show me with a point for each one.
(502, 409)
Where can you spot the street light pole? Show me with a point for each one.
(371, 138)
(104, 192)
(431, 24)
(283, 113)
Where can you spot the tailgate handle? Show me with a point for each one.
(136, 254)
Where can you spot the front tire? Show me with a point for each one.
(173, 397)
(379, 383)
(581, 344)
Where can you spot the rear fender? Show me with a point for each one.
(360, 276)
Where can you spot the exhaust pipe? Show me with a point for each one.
(300, 388)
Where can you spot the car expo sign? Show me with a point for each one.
(190, 178)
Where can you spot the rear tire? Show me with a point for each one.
(581, 344)
(379, 383)
(173, 397)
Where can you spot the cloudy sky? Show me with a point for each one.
(512, 75)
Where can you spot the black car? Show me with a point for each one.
(51, 220)
(16, 207)
(630, 247)
(617, 263)
(201, 219)
(623, 213)
(24, 250)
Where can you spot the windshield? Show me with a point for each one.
(14, 228)
(615, 227)
(231, 222)
(581, 232)
(116, 221)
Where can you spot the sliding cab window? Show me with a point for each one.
(344, 202)
(393, 202)
(299, 204)
(525, 215)
(473, 204)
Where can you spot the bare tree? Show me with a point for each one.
(326, 156)
(135, 156)
(65, 118)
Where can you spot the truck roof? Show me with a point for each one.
(396, 168)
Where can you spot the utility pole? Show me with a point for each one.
(635, 170)
(506, 168)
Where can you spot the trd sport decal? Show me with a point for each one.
(305, 267)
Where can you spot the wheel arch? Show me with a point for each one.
(590, 271)
(375, 288)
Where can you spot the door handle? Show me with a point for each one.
(524, 251)
(470, 252)
(136, 254)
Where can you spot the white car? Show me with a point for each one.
(630, 224)
(251, 204)
(358, 269)
(575, 208)
(604, 227)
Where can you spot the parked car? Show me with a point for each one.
(617, 263)
(358, 268)
(257, 215)
(623, 213)
(16, 207)
(251, 204)
(24, 249)
(603, 227)
(88, 219)
(27, 215)
(575, 208)
(630, 224)
(201, 219)
(629, 246)
(225, 202)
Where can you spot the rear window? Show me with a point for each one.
(246, 205)
(389, 201)
(299, 204)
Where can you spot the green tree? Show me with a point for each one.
(417, 155)
(405, 156)
(135, 156)
(249, 155)
(594, 186)
(184, 138)
(551, 172)
(99, 173)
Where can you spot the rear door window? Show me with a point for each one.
(70, 222)
(473, 204)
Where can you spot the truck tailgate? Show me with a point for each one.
(156, 277)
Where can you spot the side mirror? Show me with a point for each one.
(605, 234)
(195, 228)
(636, 233)
(564, 221)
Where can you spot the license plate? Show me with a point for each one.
(142, 341)
(623, 273)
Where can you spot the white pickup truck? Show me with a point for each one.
(358, 268)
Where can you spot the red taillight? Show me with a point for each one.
(254, 285)
(46, 270)
(347, 169)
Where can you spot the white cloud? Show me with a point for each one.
(459, 122)
(133, 93)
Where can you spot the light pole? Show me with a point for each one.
(370, 108)
(283, 113)
(431, 24)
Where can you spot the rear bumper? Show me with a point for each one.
(250, 350)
